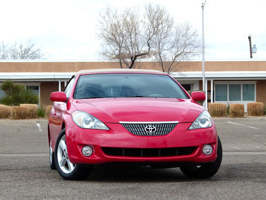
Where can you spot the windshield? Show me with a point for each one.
(127, 85)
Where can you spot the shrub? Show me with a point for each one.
(255, 109)
(19, 112)
(41, 112)
(5, 111)
(17, 94)
(6, 101)
(28, 96)
(218, 109)
(32, 110)
(236, 110)
(24, 111)
(47, 110)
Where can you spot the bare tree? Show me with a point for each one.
(19, 51)
(128, 36)
(180, 44)
(122, 36)
(171, 43)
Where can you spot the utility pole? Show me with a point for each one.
(251, 49)
(250, 46)
(203, 58)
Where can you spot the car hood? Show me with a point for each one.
(115, 110)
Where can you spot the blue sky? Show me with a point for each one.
(66, 29)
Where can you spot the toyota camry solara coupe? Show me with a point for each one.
(135, 117)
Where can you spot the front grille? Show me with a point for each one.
(149, 128)
(148, 152)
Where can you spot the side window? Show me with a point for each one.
(69, 86)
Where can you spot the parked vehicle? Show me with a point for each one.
(136, 117)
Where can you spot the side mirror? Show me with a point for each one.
(198, 96)
(58, 96)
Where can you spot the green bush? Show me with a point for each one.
(17, 94)
(47, 110)
(28, 96)
(228, 109)
(41, 112)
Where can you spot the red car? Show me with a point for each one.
(136, 117)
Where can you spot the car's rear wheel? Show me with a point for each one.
(64, 166)
(206, 170)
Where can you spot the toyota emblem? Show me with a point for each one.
(150, 129)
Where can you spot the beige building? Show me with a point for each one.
(228, 81)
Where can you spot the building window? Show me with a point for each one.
(248, 92)
(33, 88)
(235, 91)
(187, 87)
(221, 92)
(2, 94)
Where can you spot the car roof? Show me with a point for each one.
(103, 71)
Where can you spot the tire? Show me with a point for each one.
(51, 158)
(206, 170)
(64, 166)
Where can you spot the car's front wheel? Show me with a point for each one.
(51, 157)
(64, 166)
(205, 170)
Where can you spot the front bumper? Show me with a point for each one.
(119, 141)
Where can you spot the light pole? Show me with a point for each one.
(203, 58)
(251, 49)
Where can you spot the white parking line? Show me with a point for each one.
(244, 153)
(252, 127)
(24, 155)
(39, 127)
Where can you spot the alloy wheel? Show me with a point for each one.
(62, 156)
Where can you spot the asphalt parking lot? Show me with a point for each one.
(25, 172)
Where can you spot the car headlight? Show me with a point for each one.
(204, 120)
(85, 120)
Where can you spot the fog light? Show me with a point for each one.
(87, 151)
(207, 149)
